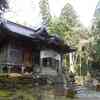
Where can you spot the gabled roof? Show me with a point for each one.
(41, 34)
(28, 34)
(17, 28)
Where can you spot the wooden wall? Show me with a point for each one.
(27, 56)
(20, 53)
(3, 54)
(17, 52)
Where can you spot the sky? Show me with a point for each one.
(27, 11)
(85, 10)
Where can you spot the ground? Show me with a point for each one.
(18, 89)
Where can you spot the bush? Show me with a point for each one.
(71, 93)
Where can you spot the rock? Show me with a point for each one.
(14, 75)
(70, 93)
(65, 92)
(98, 87)
(60, 92)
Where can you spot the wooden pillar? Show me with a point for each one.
(60, 65)
(22, 69)
(9, 68)
(71, 62)
(41, 64)
(1, 70)
(87, 64)
(80, 65)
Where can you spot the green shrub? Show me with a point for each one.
(71, 93)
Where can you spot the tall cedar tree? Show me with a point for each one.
(69, 15)
(96, 34)
(44, 11)
(3, 6)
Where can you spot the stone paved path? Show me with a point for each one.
(86, 94)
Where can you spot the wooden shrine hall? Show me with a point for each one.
(22, 48)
